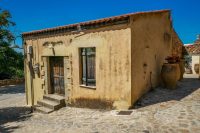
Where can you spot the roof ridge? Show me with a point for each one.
(101, 20)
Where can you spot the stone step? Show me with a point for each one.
(49, 104)
(55, 98)
(43, 109)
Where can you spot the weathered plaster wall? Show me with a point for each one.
(195, 60)
(28, 83)
(113, 63)
(33, 80)
(151, 43)
(113, 77)
(129, 58)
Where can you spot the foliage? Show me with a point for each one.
(11, 62)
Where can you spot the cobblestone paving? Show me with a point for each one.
(159, 111)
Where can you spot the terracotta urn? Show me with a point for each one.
(170, 75)
(196, 68)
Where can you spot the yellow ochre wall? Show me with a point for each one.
(129, 58)
(151, 43)
(113, 62)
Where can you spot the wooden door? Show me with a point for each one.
(57, 75)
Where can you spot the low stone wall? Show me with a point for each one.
(11, 81)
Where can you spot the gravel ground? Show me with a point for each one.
(159, 111)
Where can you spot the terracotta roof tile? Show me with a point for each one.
(193, 49)
(99, 21)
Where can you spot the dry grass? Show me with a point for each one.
(92, 103)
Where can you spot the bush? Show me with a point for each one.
(19, 73)
(11, 61)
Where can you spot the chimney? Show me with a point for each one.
(198, 39)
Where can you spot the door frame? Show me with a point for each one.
(52, 75)
(68, 83)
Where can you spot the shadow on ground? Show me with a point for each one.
(12, 89)
(13, 114)
(158, 95)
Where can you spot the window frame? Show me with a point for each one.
(86, 83)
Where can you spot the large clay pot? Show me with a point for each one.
(170, 75)
(196, 68)
(182, 68)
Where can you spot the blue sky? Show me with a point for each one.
(38, 14)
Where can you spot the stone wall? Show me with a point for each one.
(11, 81)
(195, 60)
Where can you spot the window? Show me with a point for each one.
(88, 66)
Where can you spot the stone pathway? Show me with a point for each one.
(159, 111)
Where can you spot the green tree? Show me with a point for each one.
(11, 62)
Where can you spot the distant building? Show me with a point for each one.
(111, 61)
(193, 50)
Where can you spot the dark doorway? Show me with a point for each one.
(57, 75)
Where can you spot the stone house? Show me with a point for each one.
(113, 61)
(193, 50)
